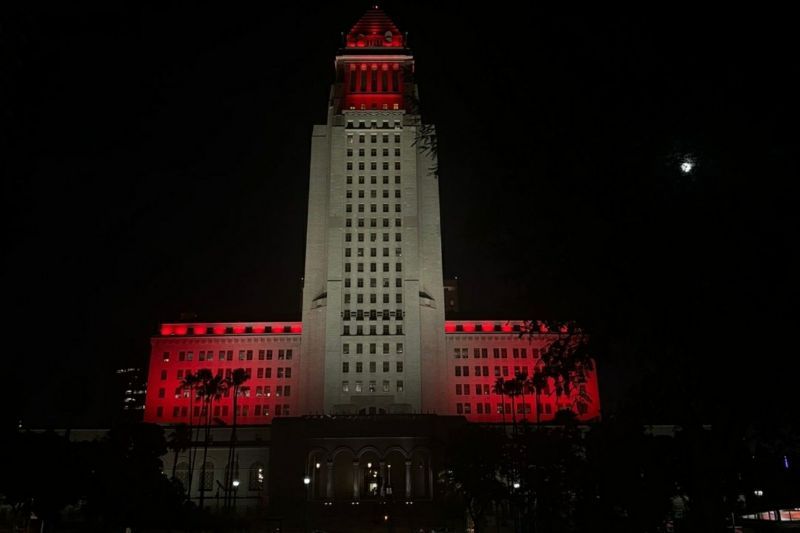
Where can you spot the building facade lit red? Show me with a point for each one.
(373, 338)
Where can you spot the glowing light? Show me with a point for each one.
(306, 480)
(199, 330)
(296, 328)
(487, 326)
(516, 484)
(687, 164)
(449, 327)
(758, 492)
(238, 329)
(235, 483)
(507, 328)
(219, 330)
(317, 465)
(369, 465)
(166, 330)
(469, 328)
(181, 330)
(259, 329)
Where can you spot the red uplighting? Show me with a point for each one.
(487, 326)
(469, 328)
(238, 329)
(449, 327)
(507, 328)
(199, 330)
(166, 330)
(259, 329)
(181, 329)
(277, 329)
(543, 328)
(219, 330)
(296, 328)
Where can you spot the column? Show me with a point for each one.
(408, 480)
(329, 487)
(356, 495)
(382, 488)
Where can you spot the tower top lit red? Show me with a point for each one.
(374, 30)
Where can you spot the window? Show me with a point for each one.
(372, 367)
(399, 385)
(372, 386)
(359, 367)
(163, 374)
(386, 385)
(399, 348)
(345, 386)
(358, 386)
(386, 366)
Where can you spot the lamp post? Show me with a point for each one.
(307, 483)
(235, 491)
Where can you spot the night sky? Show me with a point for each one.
(157, 164)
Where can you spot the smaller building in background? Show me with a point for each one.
(132, 387)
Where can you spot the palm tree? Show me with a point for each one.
(537, 383)
(234, 383)
(179, 441)
(512, 390)
(190, 382)
(210, 388)
(499, 387)
(525, 387)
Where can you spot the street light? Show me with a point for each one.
(307, 484)
(235, 491)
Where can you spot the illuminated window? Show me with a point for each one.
(399, 385)
(345, 386)
(358, 386)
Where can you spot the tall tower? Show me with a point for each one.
(373, 299)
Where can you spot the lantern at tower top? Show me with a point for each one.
(374, 30)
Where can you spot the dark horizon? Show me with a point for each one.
(160, 165)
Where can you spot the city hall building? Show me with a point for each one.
(364, 385)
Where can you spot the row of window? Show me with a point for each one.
(373, 267)
(373, 223)
(373, 165)
(369, 314)
(373, 299)
(483, 408)
(372, 347)
(373, 208)
(373, 180)
(373, 237)
(373, 194)
(242, 410)
(373, 252)
(463, 371)
(373, 367)
(372, 386)
(373, 124)
(373, 284)
(373, 330)
(497, 353)
(373, 152)
(244, 355)
(481, 389)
